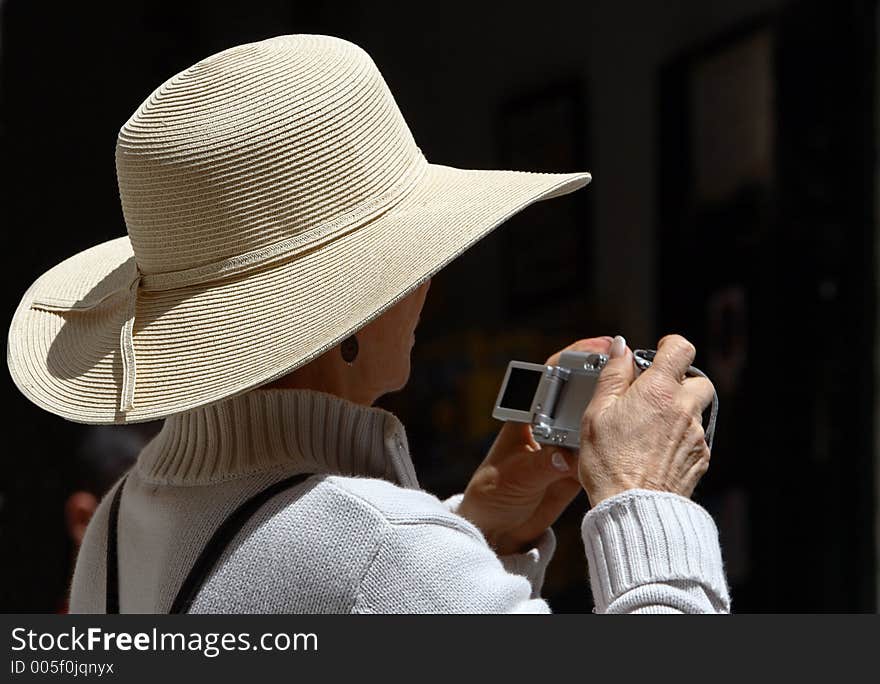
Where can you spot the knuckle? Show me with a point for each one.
(588, 422)
(706, 387)
(589, 414)
(678, 351)
(688, 346)
(698, 432)
(696, 444)
(672, 338)
(702, 466)
(696, 401)
(685, 347)
(678, 344)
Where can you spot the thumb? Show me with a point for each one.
(522, 460)
(513, 438)
(617, 375)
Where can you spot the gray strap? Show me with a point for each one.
(713, 413)
(210, 554)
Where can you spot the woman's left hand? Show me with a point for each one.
(521, 488)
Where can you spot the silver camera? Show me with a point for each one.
(552, 399)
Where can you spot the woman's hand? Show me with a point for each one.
(521, 488)
(645, 432)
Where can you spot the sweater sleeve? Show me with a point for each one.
(654, 552)
(648, 552)
(532, 563)
(435, 567)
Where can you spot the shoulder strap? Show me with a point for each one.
(207, 558)
(111, 602)
(221, 538)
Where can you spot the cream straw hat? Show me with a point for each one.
(275, 202)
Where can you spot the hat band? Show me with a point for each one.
(278, 252)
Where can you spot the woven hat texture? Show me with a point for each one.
(275, 202)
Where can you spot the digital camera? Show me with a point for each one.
(552, 399)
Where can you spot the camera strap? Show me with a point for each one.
(209, 556)
(713, 412)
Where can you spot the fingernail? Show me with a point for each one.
(559, 462)
(618, 347)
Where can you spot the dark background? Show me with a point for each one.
(734, 149)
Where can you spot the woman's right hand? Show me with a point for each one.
(645, 432)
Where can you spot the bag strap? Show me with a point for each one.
(111, 602)
(209, 556)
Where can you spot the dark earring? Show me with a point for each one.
(349, 349)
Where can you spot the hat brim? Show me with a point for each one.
(201, 344)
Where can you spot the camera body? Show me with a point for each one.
(552, 399)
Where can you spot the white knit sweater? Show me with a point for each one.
(361, 536)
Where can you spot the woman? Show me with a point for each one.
(282, 231)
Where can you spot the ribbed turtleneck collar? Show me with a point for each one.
(301, 430)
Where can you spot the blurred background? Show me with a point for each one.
(734, 149)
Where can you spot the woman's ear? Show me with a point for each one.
(78, 511)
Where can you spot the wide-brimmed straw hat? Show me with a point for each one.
(275, 202)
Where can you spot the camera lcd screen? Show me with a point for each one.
(520, 390)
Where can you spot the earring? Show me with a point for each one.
(349, 349)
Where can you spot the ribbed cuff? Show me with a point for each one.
(642, 537)
(531, 564)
